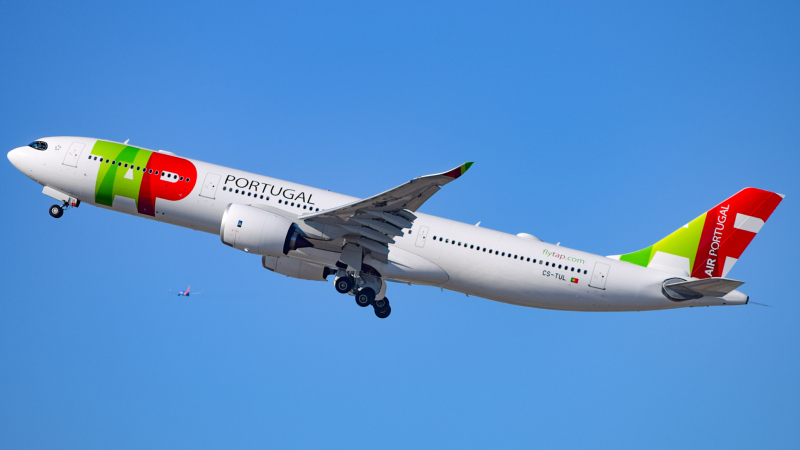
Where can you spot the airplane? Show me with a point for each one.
(185, 293)
(308, 233)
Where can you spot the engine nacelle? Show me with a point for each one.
(254, 230)
(296, 268)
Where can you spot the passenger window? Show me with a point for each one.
(237, 191)
(528, 259)
(471, 246)
(249, 194)
(187, 180)
(156, 172)
(559, 266)
(181, 178)
(584, 272)
(547, 263)
(572, 269)
(279, 201)
(262, 197)
(504, 254)
(224, 188)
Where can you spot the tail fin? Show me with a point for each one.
(711, 244)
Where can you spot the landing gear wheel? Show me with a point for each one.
(381, 304)
(344, 284)
(382, 308)
(383, 313)
(364, 297)
(56, 211)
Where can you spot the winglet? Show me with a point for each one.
(458, 171)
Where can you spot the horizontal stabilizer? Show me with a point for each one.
(678, 290)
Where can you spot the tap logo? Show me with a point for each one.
(141, 175)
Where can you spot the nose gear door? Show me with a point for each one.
(74, 152)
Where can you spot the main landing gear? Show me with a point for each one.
(364, 290)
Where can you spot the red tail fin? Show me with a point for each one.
(729, 228)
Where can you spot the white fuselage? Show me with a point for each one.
(435, 251)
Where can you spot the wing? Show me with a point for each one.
(372, 223)
(409, 196)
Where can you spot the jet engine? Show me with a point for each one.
(254, 230)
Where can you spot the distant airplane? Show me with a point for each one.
(186, 292)
(310, 233)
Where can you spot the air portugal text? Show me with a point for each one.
(267, 189)
(715, 241)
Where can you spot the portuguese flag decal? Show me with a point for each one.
(573, 280)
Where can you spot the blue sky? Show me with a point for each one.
(600, 126)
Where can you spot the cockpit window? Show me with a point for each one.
(38, 145)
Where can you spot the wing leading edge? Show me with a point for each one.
(372, 223)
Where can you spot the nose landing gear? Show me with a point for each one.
(56, 211)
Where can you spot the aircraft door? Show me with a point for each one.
(421, 236)
(599, 276)
(74, 152)
(209, 189)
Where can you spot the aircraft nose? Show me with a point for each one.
(15, 156)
